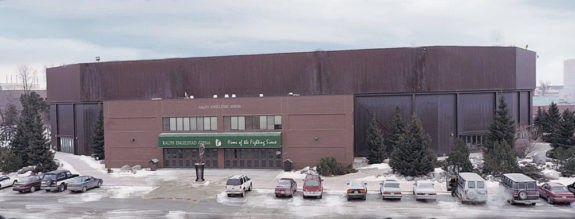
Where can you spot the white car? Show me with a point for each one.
(424, 190)
(238, 185)
(389, 189)
(6, 181)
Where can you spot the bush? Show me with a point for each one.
(568, 168)
(10, 162)
(328, 166)
(531, 170)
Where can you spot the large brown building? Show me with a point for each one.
(452, 90)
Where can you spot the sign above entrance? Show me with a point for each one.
(221, 140)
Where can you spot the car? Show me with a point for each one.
(83, 183)
(424, 190)
(556, 193)
(470, 188)
(312, 186)
(571, 187)
(389, 189)
(356, 189)
(28, 184)
(285, 187)
(56, 180)
(6, 181)
(238, 185)
(520, 188)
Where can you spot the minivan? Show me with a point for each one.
(521, 188)
(312, 186)
(471, 188)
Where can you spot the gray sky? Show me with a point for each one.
(57, 32)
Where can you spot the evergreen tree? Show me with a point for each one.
(9, 122)
(563, 136)
(502, 128)
(551, 122)
(413, 157)
(9, 162)
(393, 131)
(30, 143)
(458, 160)
(98, 137)
(500, 159)
(539, 121)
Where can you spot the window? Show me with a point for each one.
(190, 123)
(256, 122)
(471, 184)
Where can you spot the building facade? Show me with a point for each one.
(452, 90)
(256, 132)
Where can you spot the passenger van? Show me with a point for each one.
(521, 188)
(471, 188)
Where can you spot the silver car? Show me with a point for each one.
(83, 183)
(356, 189)
(389, 189)
(424, 190)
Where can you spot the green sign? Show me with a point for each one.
(221, 140)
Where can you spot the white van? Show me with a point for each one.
(471, 188)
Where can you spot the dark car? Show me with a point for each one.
(521, 188)
(556, 193)
(83, 183)
(28, 184)
(286, 187)
(571, 187)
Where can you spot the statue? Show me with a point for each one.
(200, 163)
(202, 151)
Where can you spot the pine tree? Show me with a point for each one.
(458, 160)
(563, 136)
(551, 122)
(98, 137)
(413, 157)
(9, 122)
(393, 131)
(539, 121)
(30, 143)
(500, 159)
(502, 128)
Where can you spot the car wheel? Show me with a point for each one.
(522, 195)
(99, 184)
(229, 195)
(32, 189)
(365, 197)
(250, 188)
(243, 194)
(84, 189)
(14, 182)
(47, 190)
(61, 188)
(348, 198)
(320, 196)
(549, 200)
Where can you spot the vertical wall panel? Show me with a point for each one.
(475, 111)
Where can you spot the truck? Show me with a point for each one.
(56, 180)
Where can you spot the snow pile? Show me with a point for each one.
(379, 166)
(95, 164)
(128, 191)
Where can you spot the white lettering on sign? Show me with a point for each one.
(220, 106)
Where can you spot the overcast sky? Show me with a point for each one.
(57, 32)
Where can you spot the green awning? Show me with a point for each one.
(221, 140)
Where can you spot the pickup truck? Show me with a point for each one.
(56, 180)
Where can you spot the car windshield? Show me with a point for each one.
(391, 185)
(284, 183)
(233, 182)
(311, 183)
(480, 184)
(559, 189)
(78, 179)
(425, 185)
(49, 177)
(29, 179)
(356, 184)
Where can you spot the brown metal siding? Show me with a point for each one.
(476, 112)
(63, 83)
(393, 70)
(436, 113)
